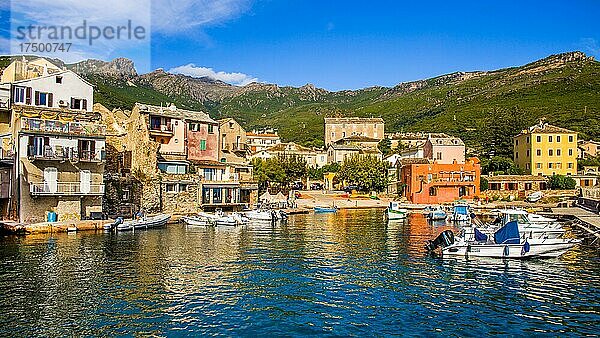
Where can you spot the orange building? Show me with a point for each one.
(428, 182)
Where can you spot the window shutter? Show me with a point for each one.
(84, 104)
(50, 96)
(72, 103)
(28, 95)
(37, 98)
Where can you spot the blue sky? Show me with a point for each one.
(353, 44)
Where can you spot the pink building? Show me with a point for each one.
(444, 149)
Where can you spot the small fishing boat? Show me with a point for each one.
(144, 223)
(461, 212)
(507, 242)
(437, 214)
(232, 219)
(197, 221)
(536, 196)
(394, 211)
(325, 209)
(259, 215)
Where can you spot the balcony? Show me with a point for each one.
(239, 147)
(162, 129)
(58, 127)
(65, 189)
(58, 153)
(227, 178)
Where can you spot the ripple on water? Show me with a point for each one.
(343, 274)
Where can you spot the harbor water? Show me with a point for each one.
(349, 273)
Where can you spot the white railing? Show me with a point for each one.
(65, 188)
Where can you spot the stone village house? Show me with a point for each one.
(53, 144)
(176, 156)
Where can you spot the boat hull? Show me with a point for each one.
(148, 223)
(396, 214)
(547, 248)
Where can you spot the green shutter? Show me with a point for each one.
(202, 144)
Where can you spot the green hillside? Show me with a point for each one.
(484, 108)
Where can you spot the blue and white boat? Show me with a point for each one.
(506, 242)
(437, 214)
(461, 212)
(325, 209)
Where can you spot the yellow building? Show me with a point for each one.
(546, 150)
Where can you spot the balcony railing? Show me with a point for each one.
(162, 128)
(65, 154)
(65, 189)
(59, 127)
(239, 147)
(231, 178)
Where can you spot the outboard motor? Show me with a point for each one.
(117, 221)
(282, 215)
(446, 238)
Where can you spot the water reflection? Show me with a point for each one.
(340, 274)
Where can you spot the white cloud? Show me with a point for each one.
(164, 17)
(238, 79)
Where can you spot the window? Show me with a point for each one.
(516, 142)
(570, 165)
(193, 126)
(439, 155)
(211, 129)
(570, 138)
(210, 174)
(570, 152)
(172, 168)
(202, 144)
(558, 138)
(558, 165)
(538, 166)
(550, 165)
(549, 138)
(217, 195)
(19, 95)
(527, 166)
(528, 139)
(43, 99)
(557, 152)
(433, 191)
(538, 152)
(538, 139)
(78, 103)
(528, 153)
(516, 155)
(550, 152)
(59, 79)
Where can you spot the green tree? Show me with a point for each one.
(317, 173)
(267, 172)
(366, 172)
(501, 165)
(483, 184)
(561, 182)
(385, 146)
(294, 166)
(590, 161)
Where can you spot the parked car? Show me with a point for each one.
(351, 188)
(316, 186)
(297, 186)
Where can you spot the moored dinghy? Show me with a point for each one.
(145, 223)
(394, 211)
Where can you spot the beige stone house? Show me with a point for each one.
(340, 128)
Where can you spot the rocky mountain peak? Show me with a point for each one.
(117, 68)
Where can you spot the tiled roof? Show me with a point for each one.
(357, 138)
(547, 128)
(353, 120)
(408, 161)
(261, 135)
(291, 146)
(174, 112)
(519, 178)
(446, 141)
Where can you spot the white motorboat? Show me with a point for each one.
(536, 196)
(437, 214)
(259, 215)
(232, 219)
(197, 221)
(461, 212)
(144, 223)
(506, 243)
(395, 212)
(546, 228)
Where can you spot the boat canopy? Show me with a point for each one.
(461, 209)
(480, 236)
(508, 234)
